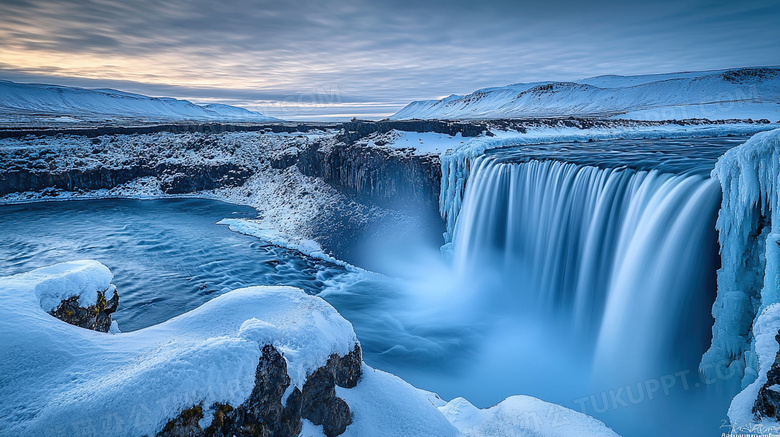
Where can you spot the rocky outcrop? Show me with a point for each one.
(205, 128)
(385, 176)
(265, 413)
(95, 317)
(767, 404)
(175, 178)
(357, 129)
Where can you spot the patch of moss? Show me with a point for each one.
(187, 418)
(219, 418)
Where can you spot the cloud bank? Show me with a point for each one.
(313, 59)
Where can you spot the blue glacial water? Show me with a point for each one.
(167, 256)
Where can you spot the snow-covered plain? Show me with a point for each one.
(58, 379)
(714, 95)
(70, 105)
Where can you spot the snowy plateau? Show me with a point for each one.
(41, 104)
(714, 95)
(280, 360)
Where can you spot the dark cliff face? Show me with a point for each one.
(357, 129)
(204, 128)
(265, 414)
(176, 179)
(385, 176)
(397, 180)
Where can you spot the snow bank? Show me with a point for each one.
(275, 237)
(424, 143)
(378, 412)
(522, 416)
(385, 405)
(715, 95)
(82, 278)
(58, 379)
(749, 227)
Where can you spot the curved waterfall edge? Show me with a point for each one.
(749, 236)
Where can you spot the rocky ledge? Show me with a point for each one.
(266, 413)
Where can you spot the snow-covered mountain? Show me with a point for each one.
(716, 95)
(23, 100)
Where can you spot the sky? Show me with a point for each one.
(324, 59)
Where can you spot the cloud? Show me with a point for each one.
(383, 53)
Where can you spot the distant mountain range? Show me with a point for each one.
(20, 101)
(716, 95)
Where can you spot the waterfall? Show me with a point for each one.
(624, 258)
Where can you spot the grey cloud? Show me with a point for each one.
(399, 50)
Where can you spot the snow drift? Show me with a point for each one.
(91, 104)
(715, 95)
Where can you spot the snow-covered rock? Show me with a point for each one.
(749, 228)
(714, 95)
(58, 379)
(80, 104)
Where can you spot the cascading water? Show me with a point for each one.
(617, 252)
(612, 250)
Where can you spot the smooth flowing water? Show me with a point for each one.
(611, 249)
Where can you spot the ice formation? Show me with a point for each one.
(749, 226)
